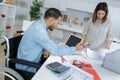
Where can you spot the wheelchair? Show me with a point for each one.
(10, 73)
(11, 58)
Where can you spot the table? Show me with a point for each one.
(44, 74)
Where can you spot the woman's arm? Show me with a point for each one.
(108, 43)
(109, 37)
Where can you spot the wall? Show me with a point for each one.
(114, 16)
(112, 3)
(74, 8)
(88, 7)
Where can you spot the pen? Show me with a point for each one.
(63, 59)
(84, 46)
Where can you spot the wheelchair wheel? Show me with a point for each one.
(10, 74)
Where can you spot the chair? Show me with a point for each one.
(25, 26)
(11, 60)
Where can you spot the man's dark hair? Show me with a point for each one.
(53, 12)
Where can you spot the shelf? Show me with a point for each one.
(73, 28)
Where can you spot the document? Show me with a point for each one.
(99, 54)
(91, 53)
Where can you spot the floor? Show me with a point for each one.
(2, 59)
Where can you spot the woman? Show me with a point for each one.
(97, 31)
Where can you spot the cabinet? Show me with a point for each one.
(7, 16)
(7, 19)
(59, 4)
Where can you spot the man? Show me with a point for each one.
(36, 40)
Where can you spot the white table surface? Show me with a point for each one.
(44, 74)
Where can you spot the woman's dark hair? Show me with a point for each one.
(53, 12)
(101, 6)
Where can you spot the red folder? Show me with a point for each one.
(86, 67)
(81, 64)
(93, 72)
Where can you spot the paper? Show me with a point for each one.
(114, 47)
(101, 53)
(91, 53)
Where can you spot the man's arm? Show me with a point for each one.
(55, 49)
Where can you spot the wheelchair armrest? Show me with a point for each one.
(24, 62)
(19, 31)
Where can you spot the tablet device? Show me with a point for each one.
(73, 40)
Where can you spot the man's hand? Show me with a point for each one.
(46, 54)
(79, 46)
